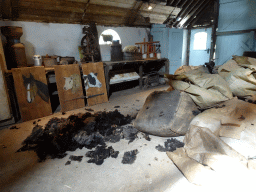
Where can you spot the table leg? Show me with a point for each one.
(106, 69)
(141, 75)
(167, 66)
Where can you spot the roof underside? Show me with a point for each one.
(173, 13)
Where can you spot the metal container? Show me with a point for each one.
(116, 51)
(37, 60)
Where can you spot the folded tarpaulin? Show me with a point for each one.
(220, 159)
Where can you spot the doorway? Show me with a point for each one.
(200, 44)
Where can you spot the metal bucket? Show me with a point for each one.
(37, 60)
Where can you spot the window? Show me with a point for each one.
(200, 40)
(109, 32)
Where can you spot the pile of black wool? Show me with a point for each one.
(77, 131)
(100, 153)
(170, 145)
(130, 156)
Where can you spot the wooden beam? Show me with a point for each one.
(188, 46)
(6, 9)
(133, 13)
(214, 28)
(199, 16)
(54, 5)
(100, 20)
(189, 12)
(180, 13)
(74, 12)
(74, 7)
(85, 9)
(194, 13)
(9, 9)
(106, 10)
(234, 32)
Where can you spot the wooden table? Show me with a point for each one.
(142, 67)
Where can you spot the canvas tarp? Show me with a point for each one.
(206, 154)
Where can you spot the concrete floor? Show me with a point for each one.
(152, 170)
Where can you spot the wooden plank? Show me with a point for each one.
(48, 15)
(53, 5)
(73, 7)
(234, 32)
(32, 92)
(95, 68)
(188, 46)
(133, 13)
(117, 3)
(69, 85)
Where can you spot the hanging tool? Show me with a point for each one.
(87, 97)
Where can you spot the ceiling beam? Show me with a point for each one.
(169, 2)
(177, 3)
(180, 13)
(199, 16)
(48, 16)
(9, 9)
(193, 14)
(133, 13)
(183, 16)
(85, 9)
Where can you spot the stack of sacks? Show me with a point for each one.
(240, 75)
(220, 146)
(206, 90)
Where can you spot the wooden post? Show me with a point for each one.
(144, 45)
(188, 46)
(154, 50)
(141, 75)
(214, 27)
(106, 70)
(148, 50)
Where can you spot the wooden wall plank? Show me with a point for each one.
(70, 7)
(69, 85)
(99, 70)
(35, 102)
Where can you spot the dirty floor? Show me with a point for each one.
(151, 171)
